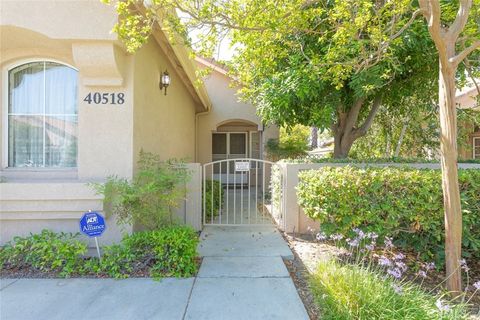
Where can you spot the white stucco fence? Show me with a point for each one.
(295, 219)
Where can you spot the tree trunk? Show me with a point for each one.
(400, 140)
(345, 132)
(451, 190)
(314, 138)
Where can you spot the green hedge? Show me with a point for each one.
(212, 197)
(400, 202)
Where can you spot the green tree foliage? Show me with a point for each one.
(292, 143)
(328, 64)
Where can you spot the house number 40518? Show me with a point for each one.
(105, 98)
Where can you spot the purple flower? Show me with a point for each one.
(395, 272)
(399, 256)
(388, 242)
(476, 285)
(384, 261)
(321, 236)
(398, 289)
(442, 307)
(422, 274)
(353, 243)
(360, 233)
(372, 235)
(336, 237)
(370, 247)
(401, 265)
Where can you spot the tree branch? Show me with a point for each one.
(460, 20)
(352, 116)
(462, 55)
(408, 24)
(377, 102)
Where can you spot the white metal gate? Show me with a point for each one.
(237, 192)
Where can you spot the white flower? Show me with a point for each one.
(442, 307)
(463, 265)
(336, 237)
(321, 236)
(430, 266)
(372, 235)
(476, 285)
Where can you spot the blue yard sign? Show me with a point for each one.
(92, 224)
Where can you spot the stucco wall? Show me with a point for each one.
(163, 124)
(76, 33)
(226, 106)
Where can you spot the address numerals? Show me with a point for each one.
(105, 98)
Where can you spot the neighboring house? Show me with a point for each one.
(76, 108)
(467, 99)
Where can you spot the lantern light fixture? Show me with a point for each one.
(165, 81)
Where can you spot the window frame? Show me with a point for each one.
(5, 126)
(474, 155)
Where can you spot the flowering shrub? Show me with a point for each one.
(403, 202)
(369, 281)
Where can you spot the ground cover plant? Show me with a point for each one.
(403, 202)
(367, 280)
(167, 252)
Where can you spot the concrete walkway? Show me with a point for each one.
(242, 277)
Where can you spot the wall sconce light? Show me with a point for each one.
(165, 81)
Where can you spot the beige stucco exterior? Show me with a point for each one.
(178, 125)
(78, 34)
(228, 112)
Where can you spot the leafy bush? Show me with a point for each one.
(353, 291)
(402, 202)
(150, 197)
(212, 197)
(399, 160)
(292, 143)
(46, 252)
(167, 252)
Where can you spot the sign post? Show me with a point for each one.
(93, 225)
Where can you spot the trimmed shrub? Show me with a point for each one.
(212, 197)
(401, 202)
(45, 252)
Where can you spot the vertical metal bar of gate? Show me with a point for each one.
(263, 191)
(220, 192)
(204, 194)
(234, 196)
(213, 189)
(228, 186)
(241, 199)
(256, 191)
(248, 181)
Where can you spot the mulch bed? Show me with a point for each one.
(140, 271)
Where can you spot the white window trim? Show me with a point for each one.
(5, 72)
(473, 148)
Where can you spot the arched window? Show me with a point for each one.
(42, 115)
